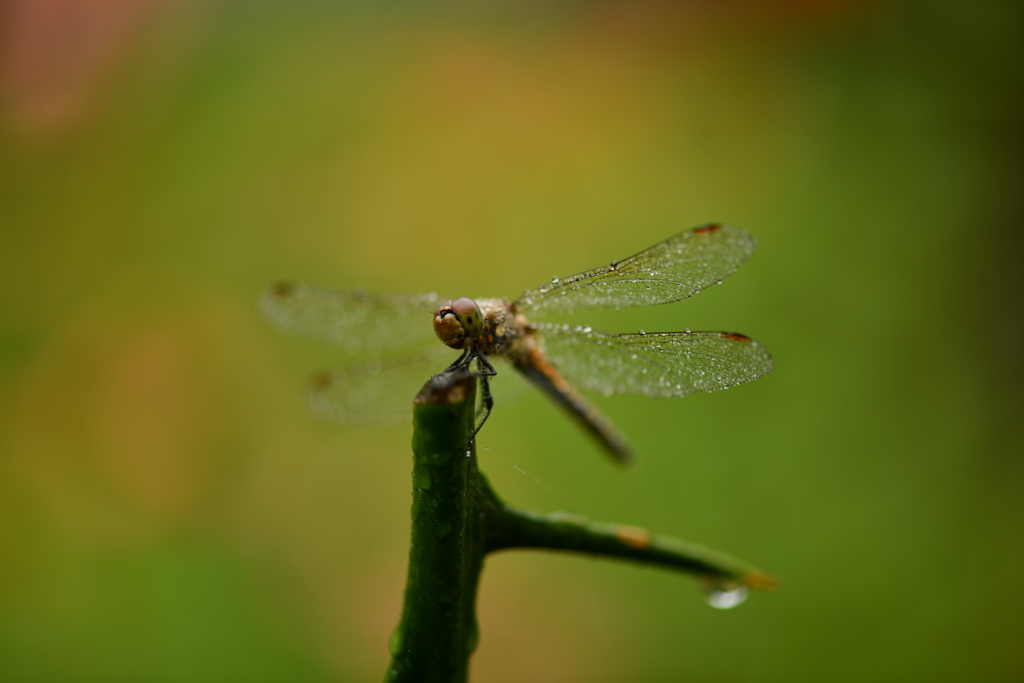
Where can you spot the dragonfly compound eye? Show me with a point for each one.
(457, 321)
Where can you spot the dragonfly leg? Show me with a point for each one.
(463, 361)
(484, 371)
(482, 362)
(486, 403)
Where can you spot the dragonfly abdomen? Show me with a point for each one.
(536, 367)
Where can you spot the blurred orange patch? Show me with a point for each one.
(147, 421)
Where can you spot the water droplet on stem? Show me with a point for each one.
(723, 593)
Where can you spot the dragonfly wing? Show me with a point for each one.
(654, 364)
(669, 271)
(359, 320)
(381, 392)
(374, 391)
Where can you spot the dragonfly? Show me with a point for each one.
(558, 359)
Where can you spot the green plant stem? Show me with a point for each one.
(510, 527)
(437, 632)
(457, 519)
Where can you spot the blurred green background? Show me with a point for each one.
(170, 512)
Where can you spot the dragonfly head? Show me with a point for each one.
(458, 323)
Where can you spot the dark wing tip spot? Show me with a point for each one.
(282, 289)
(704, 229)
(320, 381)
(736, 337)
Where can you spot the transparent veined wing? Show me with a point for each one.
(654, 364)
(358, 320)
(669, 271)
(377, 390)
(381, 391)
